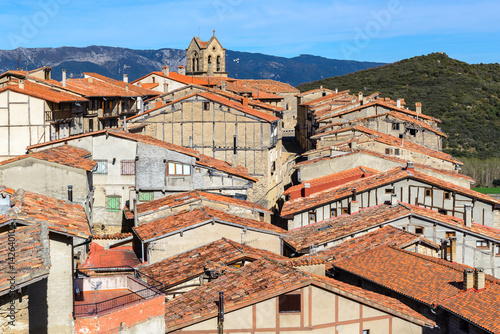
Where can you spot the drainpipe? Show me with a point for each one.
(70, 193)
(135, 212)
(221, 312)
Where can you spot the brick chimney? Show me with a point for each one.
(453, 249)
(479, 279)
(64, 78)
(181, 70)
(244, 100)
(410, 167)
(165, 70)
(125, 77)
(158, 103)
(468, 279)
(306, 191)
(418, 108)
(360, 98)
(468, 214)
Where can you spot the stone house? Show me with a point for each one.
(168, 236)
(50, 299)
(284, 298)
(333, 160)
(225, 130)
(133, 167)
(62, 172)
(173, 204)
(460, 299)
(407, 184)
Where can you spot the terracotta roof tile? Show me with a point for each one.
(44, 92)
(183, 267)
(183, 219)
(61, 216)
(99, 257)
(185, 79)
(374, 181)
(64, 155)
(90, 87)
(32, 257)
(330, 97)
(312, 91)
(241, 288)
(144, 91)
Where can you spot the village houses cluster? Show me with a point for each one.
(190, 202)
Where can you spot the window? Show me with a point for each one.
(428, 192)
(389, 191)
(176, 168)
(333, 212)
(128, 167)
(289, 303)
(419, 230)
(497, 250)
(396, 151)
(102, 167)
(91, 125)
(443, 211)
(366, 331)
(482, 244)
(413, 132)
(146, 196)
(395, 126)
(312, 216)
(113, 203)
(345, 211)
(446, 195)
(206, 105)
(388, 151)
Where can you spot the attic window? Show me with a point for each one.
(413, 132)
(388, 151)
(428, 192)
(312, 216)
(419, 230)
(389, 191)
(206, 106)
(396, 151)
(482, 244)
(395, 126)
(289, 303)
(447, 195)
(177, 168)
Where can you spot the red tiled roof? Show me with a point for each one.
(433, 281)
(98, 88)
(334, 96)
(64, 155)
(61, 216)
(312, 91)
(221, 165)
(180, 268)
(335, 179)
(218, 99)
(124, 85)
(184, 219)
(44, 92)
(32, 256)
(188, 197)
(392, 141)
(241, 288)
(383, 156)
(385, 236)
(185, 79)
(123, 256)
(377, 180)
(397, 115)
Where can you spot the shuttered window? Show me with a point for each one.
(102, 167)
(113, 203)
(289, 303)
(146, 196)
(128, 167)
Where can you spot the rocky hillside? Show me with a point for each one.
(111, 62)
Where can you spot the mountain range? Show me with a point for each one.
(113, 62)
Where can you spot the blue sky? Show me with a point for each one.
(385, 31)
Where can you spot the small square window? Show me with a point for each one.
(146, 196)
(389, 191)
(413, 132)
(345, 211)
(312, 217)
(482, 244)
(206, 105)
(388, 151)
(443, 211)
(497, 250)
(396, 151)
(102, 167)
(366, 331)
(128, 167)
(333, 212)
(289, 303)
(395, 126)
(113, 203)
(447, 195)
(428, 192)
(419, 230)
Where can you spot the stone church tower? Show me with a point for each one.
(206, 58)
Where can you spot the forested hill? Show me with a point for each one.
(465, 97)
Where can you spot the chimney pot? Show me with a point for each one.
(418, 108)
(479, 279)
(468, 279)
(166, 70)
(125, 78)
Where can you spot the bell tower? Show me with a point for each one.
(206, 58)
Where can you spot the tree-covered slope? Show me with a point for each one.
(465, 97)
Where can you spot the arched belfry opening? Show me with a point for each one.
(206, 58)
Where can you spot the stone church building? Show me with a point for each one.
(206, 58)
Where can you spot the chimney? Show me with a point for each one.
(410, 167)
(244, 101)
(444, 249)
(165, 70)
(181, 70)
(418, 108)
(336, 90)
(398, 103)
(453, 249)
(468, 214)
(360, 98)
(126, 88)
(468, 279)
(70, 193)
(320, 86)
(306, 191)
(90, 79)
(479, 279)
(4, 202)
(125, 77)
(64, 78)
(354, 145)
(394, 200)
(158, 103)
(21, 83)
(165, 87)
(354, 207)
